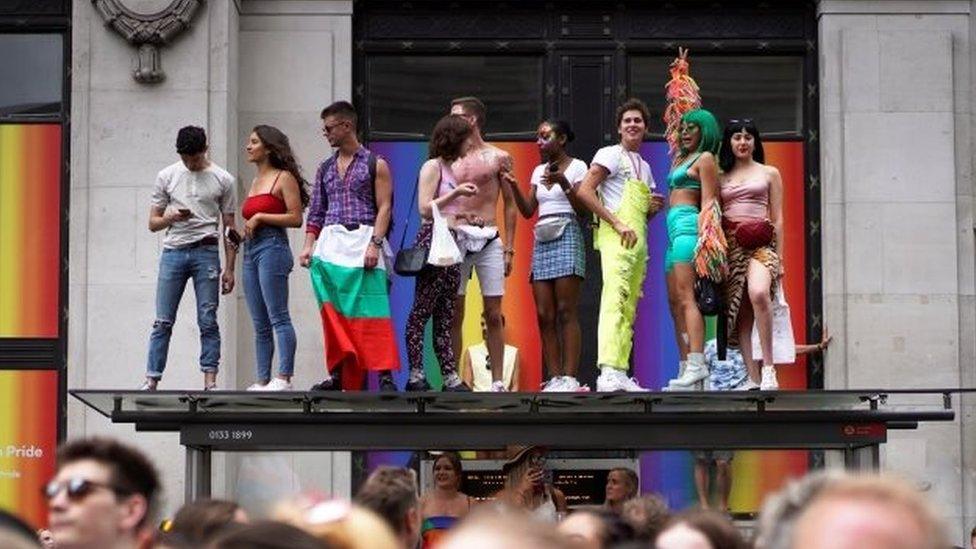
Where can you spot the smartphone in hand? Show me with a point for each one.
(233, 236)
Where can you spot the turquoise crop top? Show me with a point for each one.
(679, 178)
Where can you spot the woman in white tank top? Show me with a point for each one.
(558, 258)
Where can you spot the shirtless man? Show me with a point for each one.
(488, 251)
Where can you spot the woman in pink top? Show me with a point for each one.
(438, 186)
(752, 215)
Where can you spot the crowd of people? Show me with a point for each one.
(723, 200)
(105, 495)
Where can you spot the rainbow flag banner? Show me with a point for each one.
(30, 229)
(354, 304)
(28, 440)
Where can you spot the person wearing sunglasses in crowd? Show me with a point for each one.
(752, 217)
(558, 258)
(102, 496)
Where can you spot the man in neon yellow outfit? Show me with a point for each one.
(624, 205)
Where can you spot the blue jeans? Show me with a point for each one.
(176, 266)
(267, 263)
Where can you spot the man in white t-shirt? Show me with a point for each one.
(190, 200)
(624, 205)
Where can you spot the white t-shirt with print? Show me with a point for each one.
(622, 165)
(207, 193)
(554, 200)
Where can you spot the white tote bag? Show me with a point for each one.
(784, 346)
(444, 251)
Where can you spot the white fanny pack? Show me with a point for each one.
(551, 228)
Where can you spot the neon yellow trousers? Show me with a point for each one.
(623, 277)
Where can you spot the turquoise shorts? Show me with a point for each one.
(682, 235)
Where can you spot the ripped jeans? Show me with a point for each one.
(176, 266)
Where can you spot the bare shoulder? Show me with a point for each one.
(502, 157)
(287, 178)
(772, 172)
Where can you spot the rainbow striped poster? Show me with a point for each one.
(30, 229)
(28, 440)
(655, 353)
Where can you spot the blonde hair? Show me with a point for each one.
(338, 523)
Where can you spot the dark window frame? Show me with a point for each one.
(381, 135)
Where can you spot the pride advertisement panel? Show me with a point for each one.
(30, 229)
(28, 440)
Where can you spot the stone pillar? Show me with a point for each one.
(122, 134)
(896, 164)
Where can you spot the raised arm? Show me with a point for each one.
(526, 204)
(708, 175)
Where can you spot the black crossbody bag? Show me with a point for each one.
(410, 261)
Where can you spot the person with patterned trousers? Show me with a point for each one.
(347, 254)
(437, 186)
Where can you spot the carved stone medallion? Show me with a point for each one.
(148, 32)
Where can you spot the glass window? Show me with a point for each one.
(31, 70)
(767, 89)
(408, 94)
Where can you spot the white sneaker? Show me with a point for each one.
(148, 386)
(612, 380)
(555, 385)
(498, 387)
(747, 385)
(573, 385)
(276, 384)
(769, 381)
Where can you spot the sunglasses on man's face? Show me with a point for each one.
(76, 488)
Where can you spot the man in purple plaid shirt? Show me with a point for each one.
(347, 200)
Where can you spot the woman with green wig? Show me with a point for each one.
(692, 189)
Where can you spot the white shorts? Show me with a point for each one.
(489, 263)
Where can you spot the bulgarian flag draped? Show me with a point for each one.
(355, 305)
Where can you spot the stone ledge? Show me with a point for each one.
(295, 7)
(882, 7)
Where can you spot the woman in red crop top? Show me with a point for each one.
(274, 202)
(752, 215)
